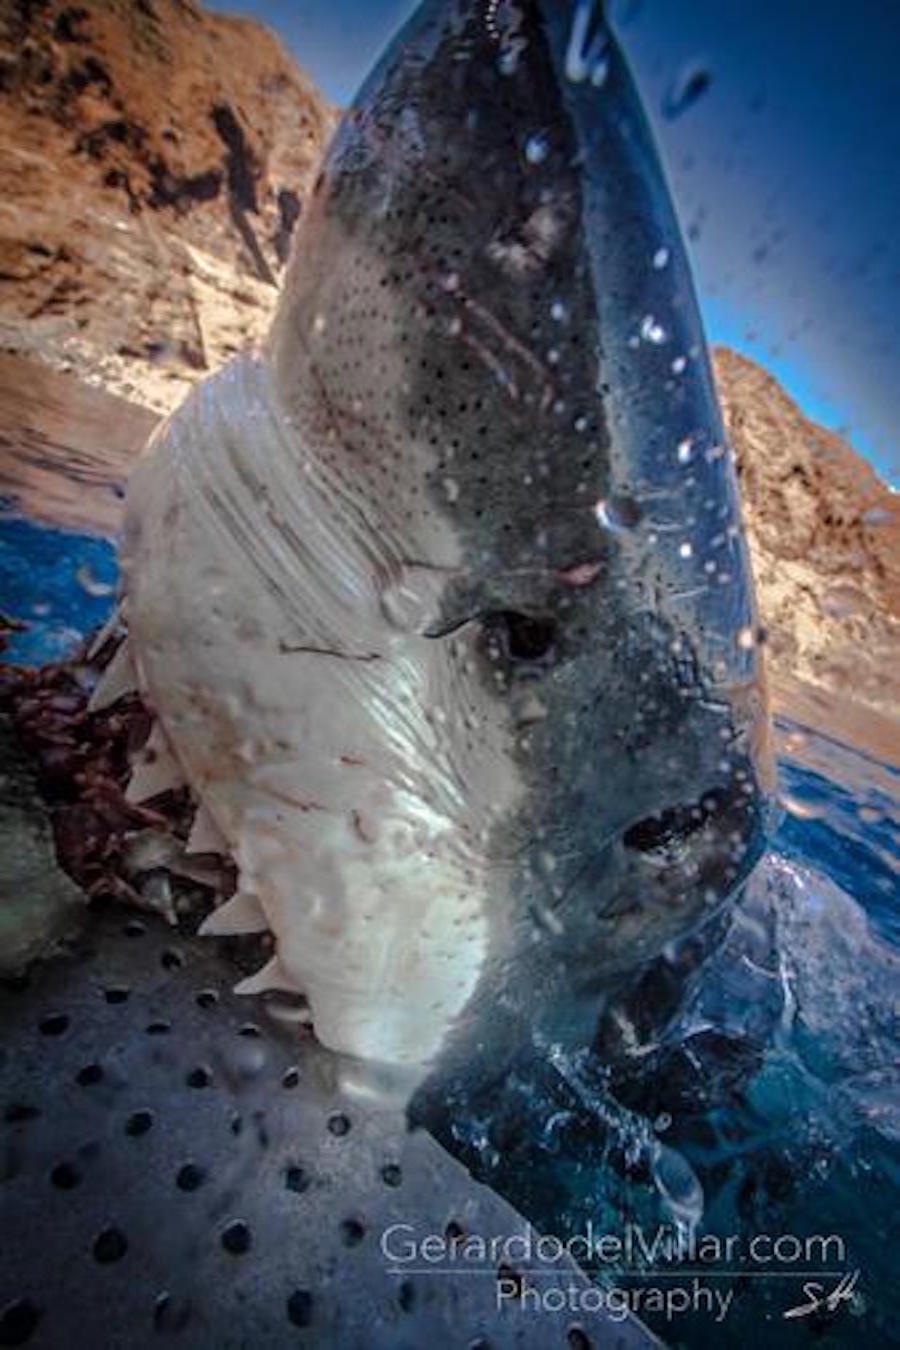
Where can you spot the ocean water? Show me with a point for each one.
(767, 1111)
(59, 585)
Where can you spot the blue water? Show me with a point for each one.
(57, 583)
(775, 1094)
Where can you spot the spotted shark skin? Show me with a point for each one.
(442, 600)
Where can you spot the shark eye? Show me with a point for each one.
(526, 638)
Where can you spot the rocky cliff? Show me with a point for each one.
(153, 161)
(825, 537)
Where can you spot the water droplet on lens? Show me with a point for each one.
(536, 148)
(92, 584)
(652, 330)
(678, 1186)
(690, 84)
(617, 513)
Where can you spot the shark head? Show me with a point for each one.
(491, 325)
(453, 632)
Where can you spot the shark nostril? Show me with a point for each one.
(525, 638)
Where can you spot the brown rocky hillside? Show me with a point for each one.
(153, 161)
(825, 536)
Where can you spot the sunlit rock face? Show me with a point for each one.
(443, 602)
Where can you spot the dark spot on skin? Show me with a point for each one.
(54, 1025)
(190, 1177)
(339, 1124)
(18, 1321)
(296, 1180)
(299, 1308)
(65, 1176)
(236, 1238)
(110, 1246)
(406, 1296)
(507, 1276)
(138, 1123)
(18, 1112)
(352, 1232)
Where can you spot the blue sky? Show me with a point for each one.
(785, 173)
